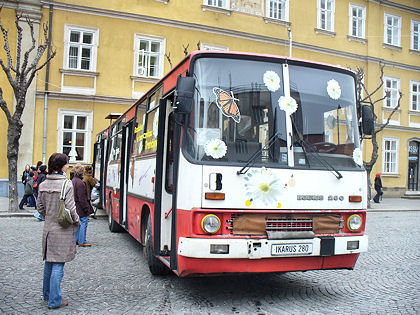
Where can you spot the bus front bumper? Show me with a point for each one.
(264, 248)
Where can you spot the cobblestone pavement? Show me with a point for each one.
(112, 277)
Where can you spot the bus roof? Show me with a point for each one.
(178, 69)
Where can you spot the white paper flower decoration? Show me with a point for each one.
(156, 123)
(333, 89)
(215, 148)
(357, 156)
(263, 185)
(288, 104)
(272, 81)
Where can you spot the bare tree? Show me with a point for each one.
(20, 75)
(378, 127)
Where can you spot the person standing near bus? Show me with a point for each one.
(58, 246)
(89, 180)
(83, 207)
(378, 188)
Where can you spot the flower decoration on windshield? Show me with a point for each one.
(156, 124)
(357, 156)
(263, 185)
(215, 148)
(288, 104)
(272, 81)
(333, 89)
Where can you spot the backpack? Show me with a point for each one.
(64, 217)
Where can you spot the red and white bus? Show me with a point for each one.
(240, 163)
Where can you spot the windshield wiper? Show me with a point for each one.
(251, 160)
(305, 145)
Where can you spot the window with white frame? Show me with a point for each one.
(80, 48)
(391, 88)
(357, 21)
(390, 155)
(225, 4)
(74, 130)
(415, 34)
(278, 9)
(149, 56)
(392, 32)
(415, 95)
(326, 9)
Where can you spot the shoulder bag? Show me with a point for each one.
(64, 217)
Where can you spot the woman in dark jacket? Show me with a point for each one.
(378, 188)
(83, 207)
(58, 246)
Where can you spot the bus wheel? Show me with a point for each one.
(156, 267)
(113, 226)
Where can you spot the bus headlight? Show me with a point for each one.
(354, 222)
(210, 224)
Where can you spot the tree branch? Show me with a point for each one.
(380, 85)
(3, 106)
(26, 57)
(390, 115)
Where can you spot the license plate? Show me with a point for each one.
(291, 249)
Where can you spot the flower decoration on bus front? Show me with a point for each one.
(215, 148)
(357, 156)
(262, 185)
(156, 124)
(288, 104)
(333, 89)
(272, 81)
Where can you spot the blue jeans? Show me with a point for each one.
(81, 231)
(53, 273)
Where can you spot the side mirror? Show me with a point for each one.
(184, 95)
(368, 125)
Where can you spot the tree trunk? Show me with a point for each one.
(14, 131)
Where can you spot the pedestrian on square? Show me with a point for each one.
(35, 187)
(42, 176)
(83, 207)
(89, 180)
(25, 174)
(58, 246)
(29, 190)
(378, 188)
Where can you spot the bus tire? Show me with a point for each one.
(113, 226)
(156, 267)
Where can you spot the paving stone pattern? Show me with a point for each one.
(112, 277)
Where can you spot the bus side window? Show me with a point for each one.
(151, 131)
(139, 130)
(169, 182)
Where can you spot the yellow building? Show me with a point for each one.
(109, 52)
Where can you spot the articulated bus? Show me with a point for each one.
(240, 163)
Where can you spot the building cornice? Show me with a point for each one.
(402, 128)
(27, 8)
(224, 32)
(86, 98)
(395, 5)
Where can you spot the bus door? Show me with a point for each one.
(125, 162)
(164, 182)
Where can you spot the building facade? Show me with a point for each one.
(110, 52)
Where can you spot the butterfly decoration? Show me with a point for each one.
(226, 103)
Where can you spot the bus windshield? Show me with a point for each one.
(241, 114)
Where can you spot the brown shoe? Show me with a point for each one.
(63, 303)
(85, 245)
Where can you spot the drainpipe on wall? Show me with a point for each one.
(47, 76)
